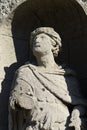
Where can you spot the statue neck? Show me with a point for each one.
(46, 61)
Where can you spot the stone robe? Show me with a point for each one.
(39, 100)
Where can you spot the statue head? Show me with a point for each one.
(49, 34)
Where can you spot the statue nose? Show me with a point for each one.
(38, 39)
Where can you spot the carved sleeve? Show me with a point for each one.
(22, 94)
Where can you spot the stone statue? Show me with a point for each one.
(46, 96)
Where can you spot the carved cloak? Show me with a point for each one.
(29, 85)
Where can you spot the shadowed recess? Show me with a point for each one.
(66, 17)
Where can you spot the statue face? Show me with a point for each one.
(42, 44)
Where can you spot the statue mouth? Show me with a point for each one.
(37, 46)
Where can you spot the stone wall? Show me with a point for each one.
(7, 57)
(19, 17)
(7, 6)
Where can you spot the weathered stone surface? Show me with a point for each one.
(68, 18)
(6, 50)
(45, 95)
(7, 6)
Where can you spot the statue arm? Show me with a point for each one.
(22, 94)
(75, 120)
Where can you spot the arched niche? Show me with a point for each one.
(67, 18)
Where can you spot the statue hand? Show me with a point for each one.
(12, 102)
(76, 123)
(75, 120)
(43, 118)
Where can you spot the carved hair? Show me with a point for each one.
(56, 40)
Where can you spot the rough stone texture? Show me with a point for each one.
(43, 93)
(6, 50)
(68, 19)
(7, 6)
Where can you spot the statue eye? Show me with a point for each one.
(42, 37)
